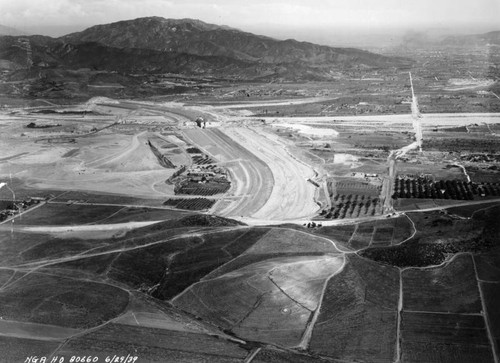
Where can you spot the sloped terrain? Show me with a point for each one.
(180, 46)
(176, 289)
(198, 38)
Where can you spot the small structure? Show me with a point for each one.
(201, 121)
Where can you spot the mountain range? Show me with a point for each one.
(7, 30)
(491, 39)
(189, 47)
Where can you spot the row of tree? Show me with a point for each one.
(443, 189)
(352, 206)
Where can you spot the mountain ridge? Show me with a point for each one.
(187, 47)
(193, 36)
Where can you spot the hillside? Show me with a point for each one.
(491, 38)
(198, 38)
(144, 47)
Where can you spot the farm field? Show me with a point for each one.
(488, 265)
(437, 236)
(427, 337)
(452, 288)
(275, 297)
(45, 299)
(357, 319)
(259, 238)
(191, 203)
(281, 240)
(376, 233)
(77, 214)
(491, 296)
(152, 345)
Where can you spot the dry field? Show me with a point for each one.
(270, 301)
(443, 338)
(357, 320)
(451, 289)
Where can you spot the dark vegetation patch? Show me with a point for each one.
(141, 268)
(468, 211)
(202, 159)
(357, 321)
(62, 214)
(144, 268)
(444, 338)
(88, 197)
(473, 144)
(193, 150)
(33, 125)
(427, 188)
(71, 153)
(438, 236)
(206, 188)
(129, 214)
(191, 264)
(60, 301)
(352, 200)
(191, 203)
(166, 267)
(163, 160)
(454, 129)
(74, 214)
(203, 220)
(452, 288)
(66, 112)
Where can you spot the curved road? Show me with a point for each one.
(253, 180)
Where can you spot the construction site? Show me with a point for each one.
(222, 231)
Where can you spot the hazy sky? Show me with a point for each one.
(252, 15)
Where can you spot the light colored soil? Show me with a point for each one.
(35, 331)
(112, 163)
(81, 231)
(393, 122)
(252, 179)
(309, 131)
(292, 195)
(268, 301)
